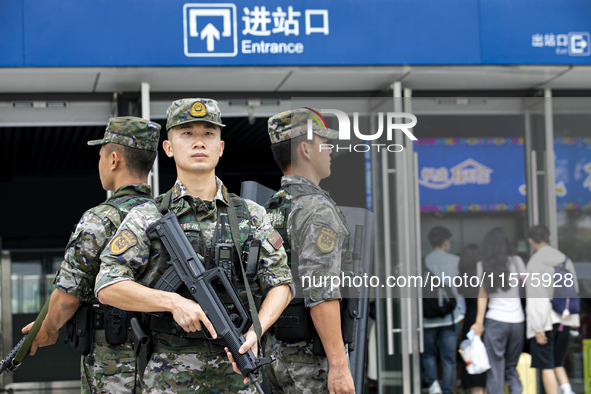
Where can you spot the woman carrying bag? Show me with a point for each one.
(504, 321)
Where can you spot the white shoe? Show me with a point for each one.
(435, 388)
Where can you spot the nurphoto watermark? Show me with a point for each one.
(392, 119)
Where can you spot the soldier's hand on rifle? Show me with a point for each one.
(249, 343)
(189, 315)
(44, 337)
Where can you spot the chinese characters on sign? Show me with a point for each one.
(257, 19)
(261, 22)
(204, 22)
(573, 43)
(468, 172)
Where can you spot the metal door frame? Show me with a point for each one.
(406, 209)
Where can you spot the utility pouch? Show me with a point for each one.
(317, 348)
(349, 313)
(80, 329)
(71, 337)
(295, 323)
(115, 326)
(142, 346)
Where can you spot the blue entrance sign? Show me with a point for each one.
(471, 174)
(246, 32)
(573, 173)
(73, 33)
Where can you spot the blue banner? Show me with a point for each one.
(11, 33)
(74, 33)
(573, 173)
(241, 32)
(471, 174)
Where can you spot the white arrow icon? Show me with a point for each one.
(209, 33)
(208, 24)
(224, 12)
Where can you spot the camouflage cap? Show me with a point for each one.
(193, 110)
(293, 123)
(133, 132)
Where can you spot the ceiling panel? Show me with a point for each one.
(480, 78)
(578, 77)
(44, 80)
(193, 79)
(43, 114)
(291, 79)
(336, 79)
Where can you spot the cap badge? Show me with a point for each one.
(198, 109)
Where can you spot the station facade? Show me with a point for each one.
(501, 93)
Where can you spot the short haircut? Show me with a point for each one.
(539, 233)
(138, 162)
(284, 152)
(438, 235)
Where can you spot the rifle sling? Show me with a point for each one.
(233, 219)
(22, 352)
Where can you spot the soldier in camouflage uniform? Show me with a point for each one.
(316, 231)
(183, 362)
(127, 153)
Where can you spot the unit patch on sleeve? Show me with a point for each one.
(327, 239)
(275, 239)
(122, 242)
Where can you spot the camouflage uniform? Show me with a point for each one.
(108, 368)
(316, 231)
(204, 367)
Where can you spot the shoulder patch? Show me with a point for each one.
(327, 239)
(122, 242)
(275, 239)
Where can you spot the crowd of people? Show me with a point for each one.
(495, 312)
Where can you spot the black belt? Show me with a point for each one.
(100, 314)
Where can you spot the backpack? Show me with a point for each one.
(438, 303)
(565, 292)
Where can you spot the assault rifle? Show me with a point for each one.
(205, 287)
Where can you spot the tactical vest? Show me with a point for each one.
(295, 323)
(125, 202)
(279, 208)
(89, 317)
(206, 248)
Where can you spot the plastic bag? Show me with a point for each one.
(474, 354)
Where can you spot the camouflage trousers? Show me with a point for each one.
(297, 370)
(108, 369)
(204, 369)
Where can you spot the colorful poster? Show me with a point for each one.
(573, 173)
(471, 174)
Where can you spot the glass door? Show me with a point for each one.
(572, 148)
(471, 170)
